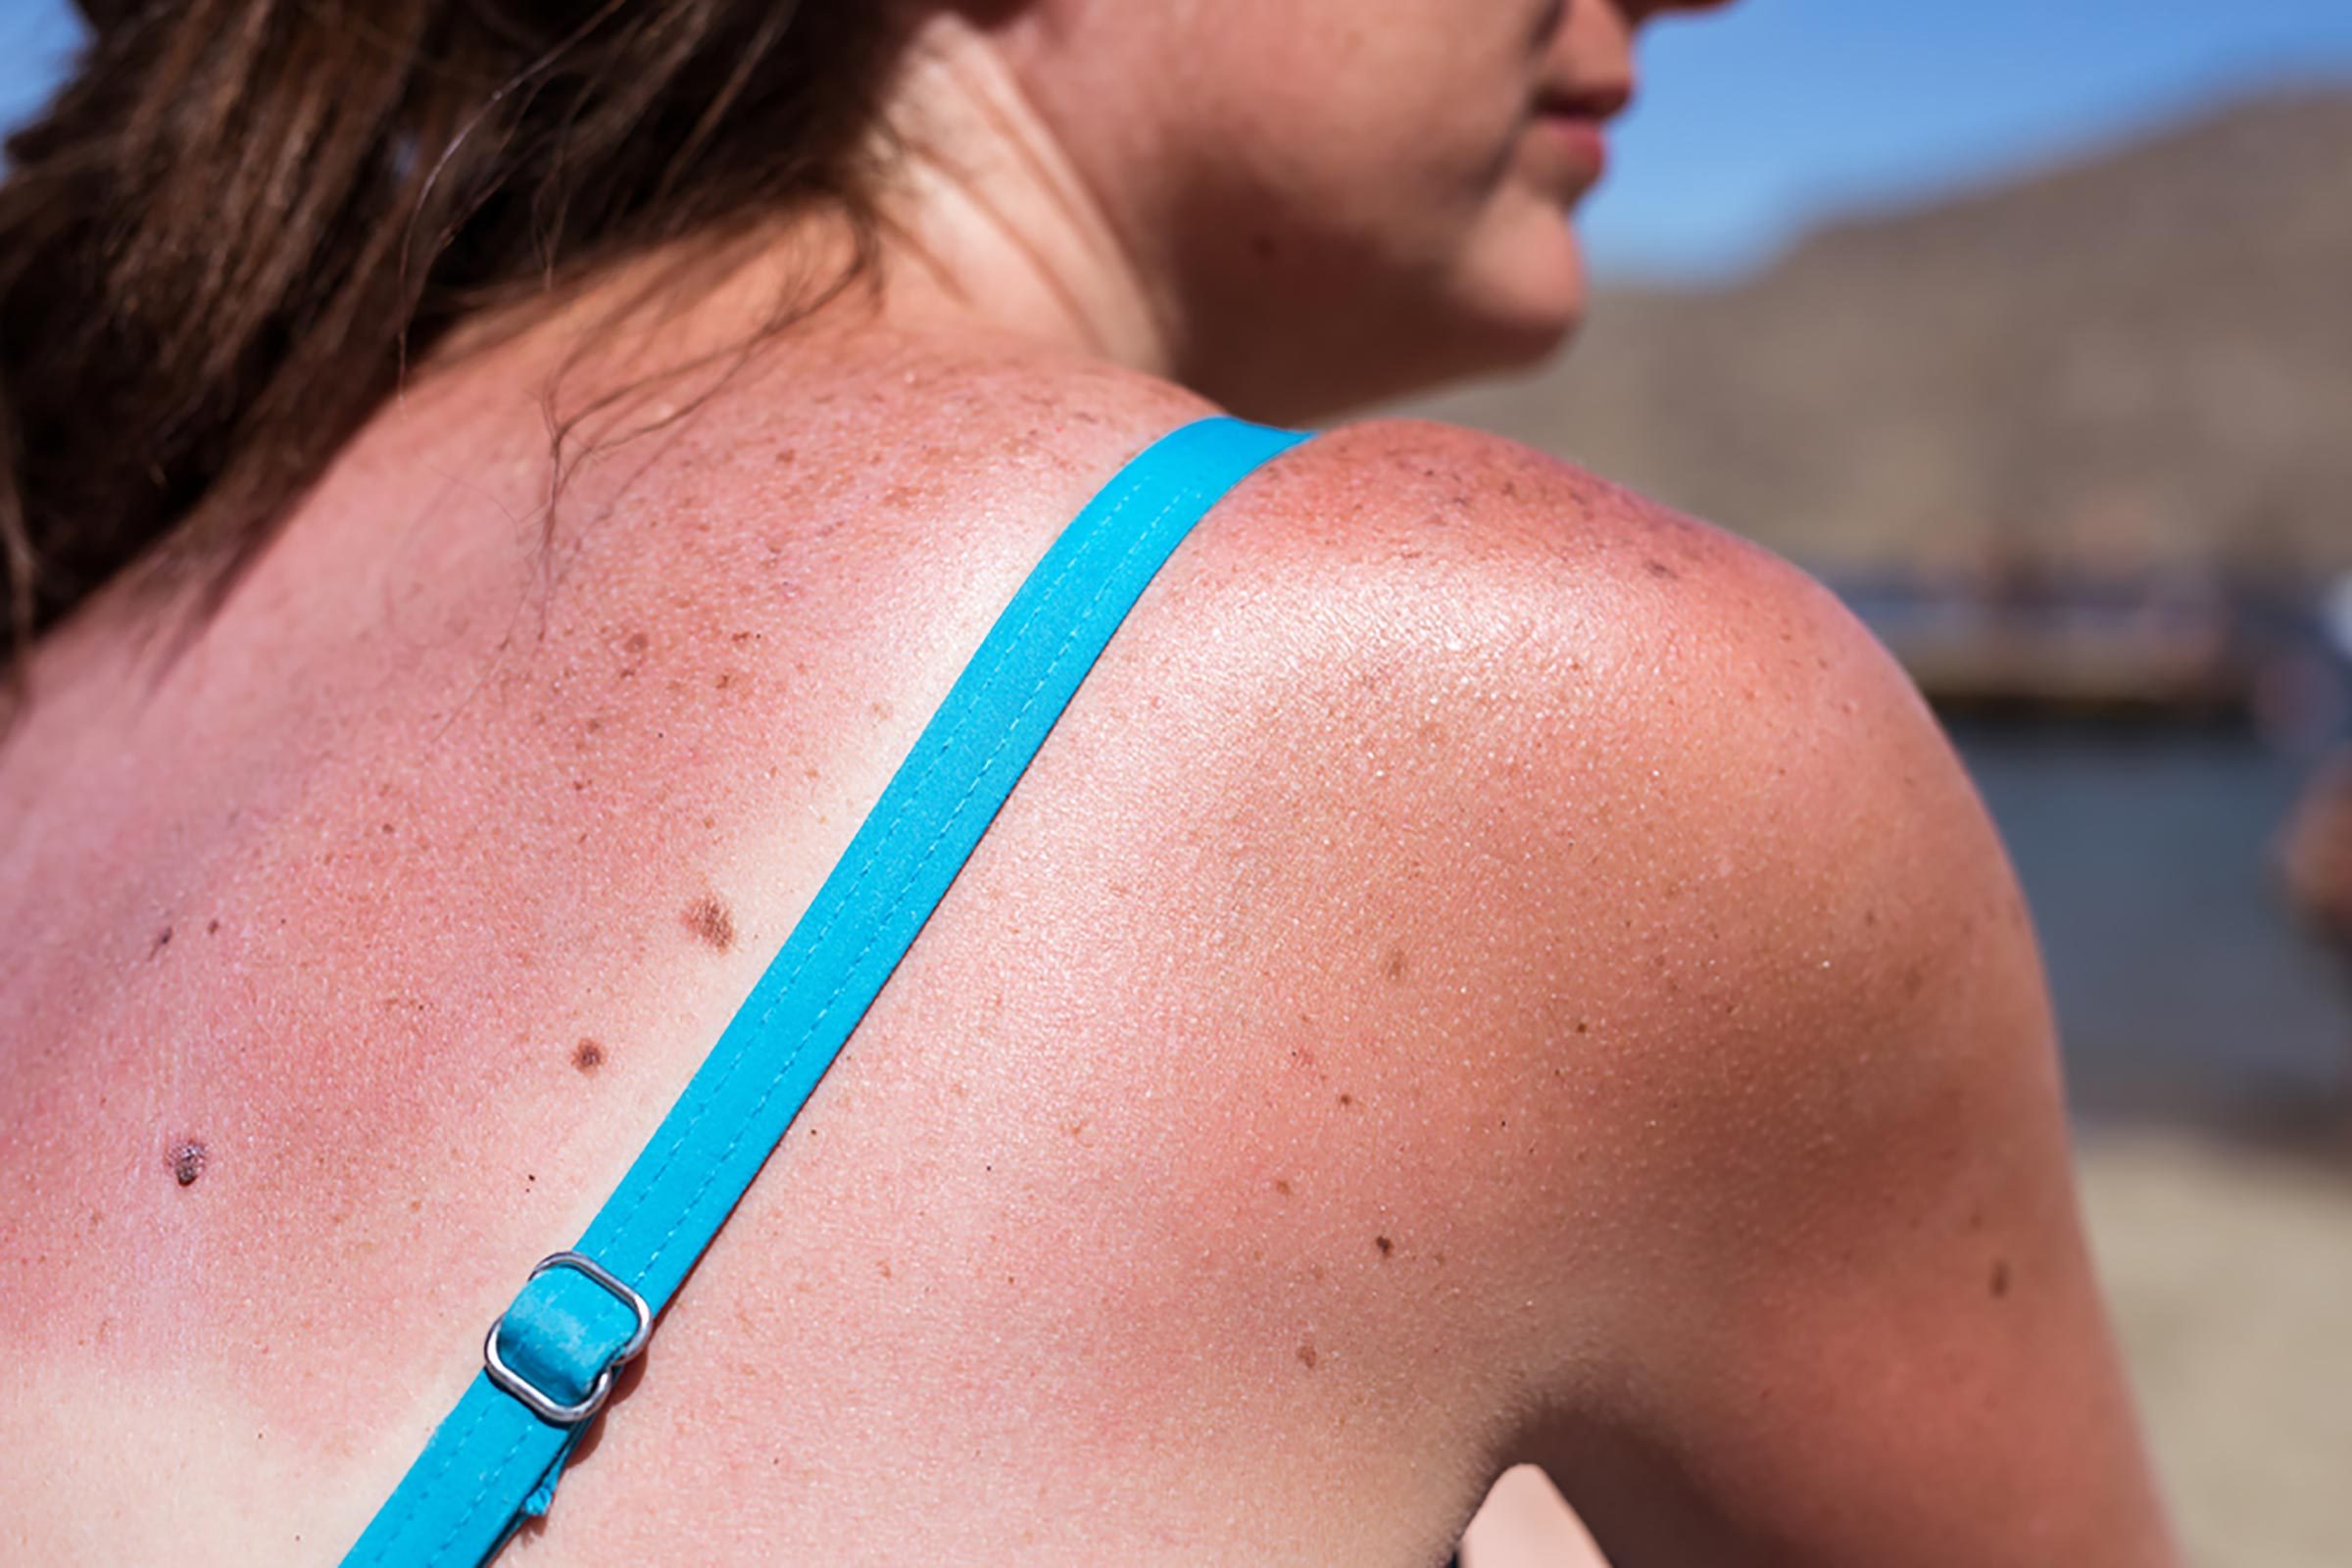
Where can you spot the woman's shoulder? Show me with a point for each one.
(1545, 640)
(1606, 776)
(1672, 768)
(1576, 773)
(1683, 935)
(1573, 737)
(1644, 811)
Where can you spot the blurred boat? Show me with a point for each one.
(2165, 653)
(2171, 649)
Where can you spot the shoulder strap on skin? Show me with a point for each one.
(550, 1359)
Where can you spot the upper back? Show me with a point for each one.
(1171, 1198)
(361, 941)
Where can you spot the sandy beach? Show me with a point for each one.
(2229, 1271)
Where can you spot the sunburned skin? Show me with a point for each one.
(708, 918)
(1380, 890)
(1485, 970)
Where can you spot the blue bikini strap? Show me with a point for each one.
(550, 1359)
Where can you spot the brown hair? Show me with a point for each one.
(239, 220)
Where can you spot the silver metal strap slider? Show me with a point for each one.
(538, 1400)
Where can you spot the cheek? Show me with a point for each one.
(1525, 270)
(1377, 120)
(1357, 173)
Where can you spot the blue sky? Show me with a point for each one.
(1756, 122)
(33, 36)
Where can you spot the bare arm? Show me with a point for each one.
(1860, 1326)
(1697, 1131)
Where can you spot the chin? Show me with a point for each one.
(1516, 297)
(1447, 345)
(1532, 291)
(1523, 342)
(1506, 303)
(1512, 324)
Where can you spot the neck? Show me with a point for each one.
(988, 222)
(986, 227)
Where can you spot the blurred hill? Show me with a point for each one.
(2141, 360)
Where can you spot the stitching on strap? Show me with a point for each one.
(474, 1503)
(725, 1077)
(408, 1514)
(1087, 611)
(1097, 552)
(1078, 622)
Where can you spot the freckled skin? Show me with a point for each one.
(1411, 690)
(711, 922)
(1712, 1088)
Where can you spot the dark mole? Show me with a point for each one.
(211, 927)
(1306, 1357)
(1583, 1028)
(1282, 1187)
(1395, 964)
(709, 919)
(187, 1161)
(1999, 1283)
(1385, 1246)
(587, 1056)
(1346, 1100)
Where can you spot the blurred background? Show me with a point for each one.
(2026, 324)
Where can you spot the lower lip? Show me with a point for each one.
(1578, 141)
